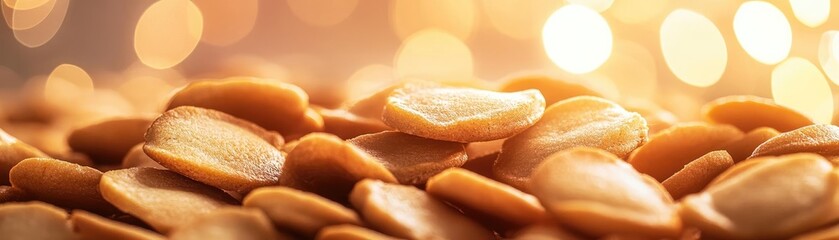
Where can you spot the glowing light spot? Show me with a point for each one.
(66, 84)
(829, 55)
(811, 12)
(519, 19)
(763, 31)
(577, 39)
(434, 55)
(226, 22)
(637, 11)
(455, 17)
(693, 48)
(167, 33)
(322, 12)
(44, 30)
(632, 69)
(24, 4)
(147, 94)
(368, 80)
(799, 85)
(597, 5)
(29, 18)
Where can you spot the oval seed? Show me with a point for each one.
(229, 223)
(697, 174)
(299, 211)
(12, 152)
(326, 165)
(820, 139)
(746, 205)
(273, 105)
(92, 226)
(751, 112)
(161, 198)
(60, 183)
(461, 114)
(137, 158)
(350, 232)
(670, 150)
(34, 221)
(554, 90)
(215, 148)
(347, 125)
(411, 159)
(407, 212)
(588, 188)
(469, 190)
(578, 121)
(107, 142)
(742, 148)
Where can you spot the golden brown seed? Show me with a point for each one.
(372, 106)
(407, 212)
(13, 194)
(468, 190)
(697, 174)
(215, 148)
(411, 159)
(12, 152)
(161, 198)
(461, 114)
(326, 165)
(554, 90)
(751, 112)
(773, 200)
(91, 226)
(107, 142)
(597, 193)
(350, 232)
(299, 211)
(347, 125)
(272, 105)
(34, 221)
(578, 121)
(819, 139)
(670, 150)
(739, 168)
(742, 148)
(479, 149)
(61, 183)
(657, 118)
(231, 223)
(311, 122)
(137, 158)
(544, 231)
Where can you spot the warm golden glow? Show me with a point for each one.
(693, 48)
(226, 22)
(167, 33)
(799, 85)
(368, 80)
(322, 12)
(811, 12)
(632, 70)
(456, 17)
(25, 4)
(829, 55)
(637, 11)
(763, 31)
(597, 5)
(577, 39)
(29, 18)
(67, 84)
(519, 19)
(433, 54)
(43, 30)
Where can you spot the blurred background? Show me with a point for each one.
(65, 63)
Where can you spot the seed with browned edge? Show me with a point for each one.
(411, 159)
(273, 105)
(61, 183)
(161, 198)
(751, 112)
(670, 150)
(468, 190)
(407, 212)
(215, 148)
(298, 211)
(773, 200)
(350, 232)
(107, 142)
(34, 221)
(697, 174)
(92, 226)
(326, 165)
(820, 139)
(554, 90)
(544, 231)
(346, 125)
(742, 148)
(461, 114)
(597, 193)
(578, 121)
(137, 158)
(12, 151)
(13, 194)
(229, 223)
